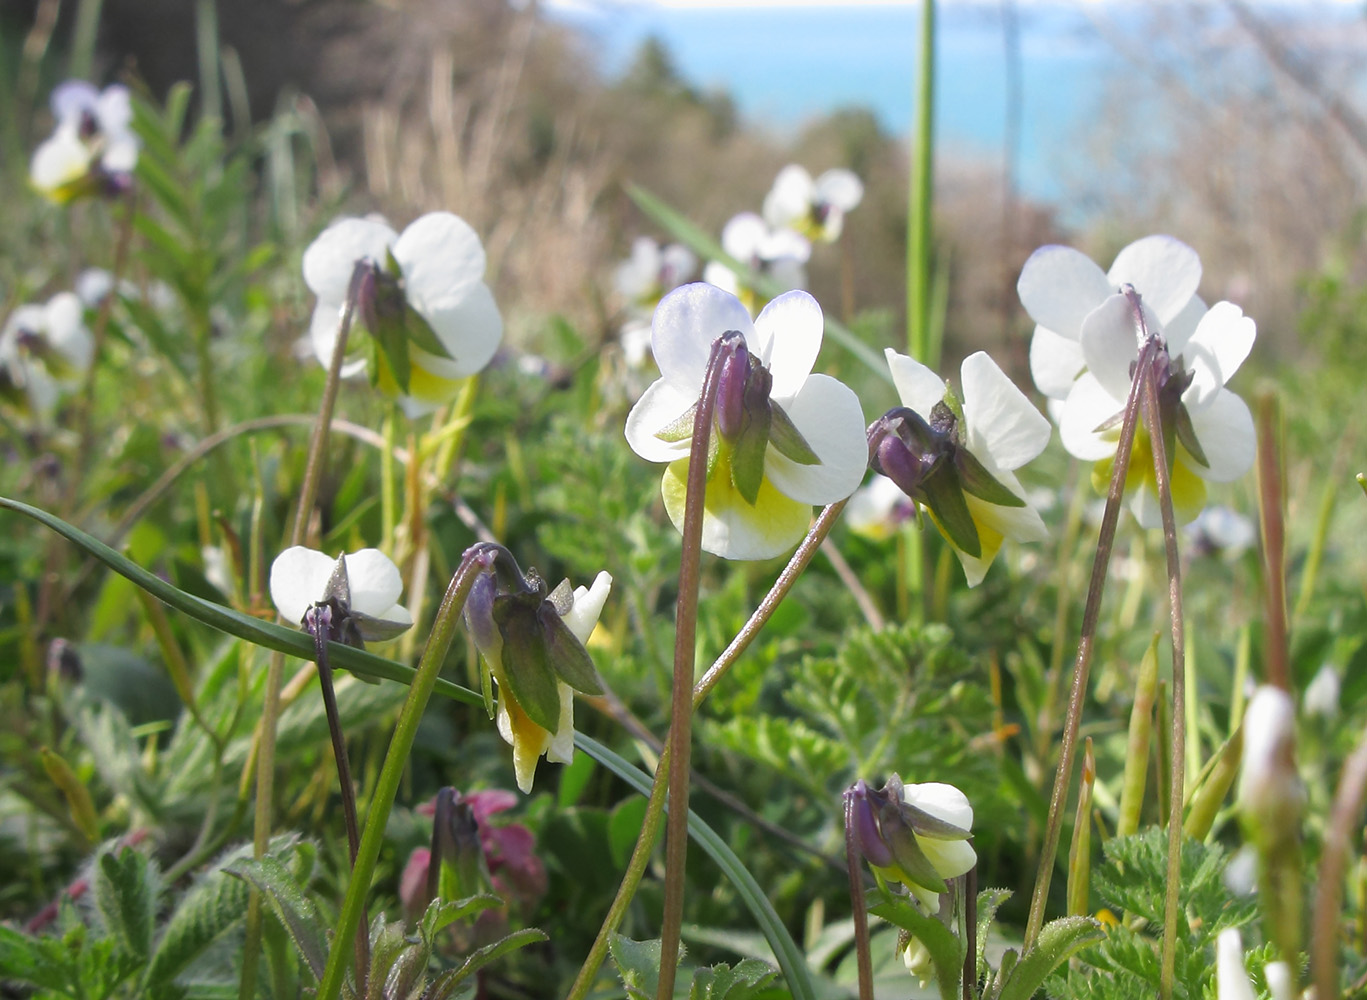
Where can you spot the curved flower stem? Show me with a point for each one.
(275, 669)
(478, 558)
(1272, 514)
(1147, 377)
(645, 843)
(853, 858)
(1082, 665)
(681, 699)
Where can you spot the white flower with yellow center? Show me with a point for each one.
(45, 350)
(814, 208)
(92, 149)
(780, 255)
(421, 298)
(783, 439)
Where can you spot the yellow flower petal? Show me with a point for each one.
(732, 528)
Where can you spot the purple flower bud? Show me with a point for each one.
(865, 827)
(479, 617)
(732, 385)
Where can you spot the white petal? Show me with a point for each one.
(637, 275)
(840, 189)
(743, 235)
(658, 407)
(1225, 429)
(441, 258)
(1002, 423)
(1059, 286)
(722, 277)
(66, 330)
(1178, 330)
(785, 245)
(918, 387)
(120, 155)
(1165, 272)
(828, 415)
(299, 576)
(686, 323)
(374, 581)
(470, 328)
(1216, 350)
(790, 199)
(1231, 978)
(560, 750)
(943, 801)
(677, 265)
(73, 98)
(789, 331)
(114, 109)
(1088, 406)
(59, 160)
(588, 606)
(330, 259)
(787, 273)
(1055, 363)
(1018, 524)
(949, 858)
(1110, 344)
(1144, 505)
(323, 330)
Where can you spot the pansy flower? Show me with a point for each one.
(362, 591)
(1060, 287)
(44, 350)
(814, 208)
(1208, 430)
(533, 643)
(651, 270)
(958, 458)
(93, 149)
(782, 440)
(420, 297)
(780, 255)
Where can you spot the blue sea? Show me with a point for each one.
(787, 65)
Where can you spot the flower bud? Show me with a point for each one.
(1270, 792)
(1231, 978)
(731, 385)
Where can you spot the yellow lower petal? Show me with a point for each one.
(529, 740)
(1188, 489)
(423, 386)
(733, 528)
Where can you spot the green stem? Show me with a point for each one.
(919, 341)
(275, 669)
(1082, 665)
(1344, 822)
(477, 560)
(681, 699)
(1271, 508)
(853, 859)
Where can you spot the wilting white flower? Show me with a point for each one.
(785, 439)
(816, 209)
(420, 296)
(367, 590)
(93, 148)
(44, 351)
(778, 254)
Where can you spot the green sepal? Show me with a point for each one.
(911, 861)
(374, 629)
(526, 661)
(680, 428)
(567, 655)
(391, 336)
(418, 329)
(928, 825)
(748, 451)
(788, 440)
(942, 492)
(1186, 435)
(975, 478)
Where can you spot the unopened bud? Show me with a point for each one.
(731, 385)
(1270, 792)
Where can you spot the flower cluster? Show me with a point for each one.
(1090, 328)
(419, 295)
(92, 150)
(45, 350)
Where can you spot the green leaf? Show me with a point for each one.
(946, 952)
(789, 956)
(989, 901)
(722, 982)
(638, 963)
(442, 913)
(125, 891)
(1058, 941)
(481, 957)
(683, 230)
(78, 800)
(24, 959)
(225, 619)
(294, 909)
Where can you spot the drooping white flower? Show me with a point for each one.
(651, 271)
(816, 209)
(958, 459)
(1212, 435)
(1322, 693)
(949, 857)
(45, 350)
(1060, 287)
(422, 300)
(778, 254)
(92, 149)
(1231, 978)
(302, 577)
(761, 486)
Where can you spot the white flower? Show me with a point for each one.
(916, 957)
(779, 254)
(1322, 694)
(815, 209)
(949, 857)
(92, 147)
(1231, 978)
(1060, 287)
(958, 460)
(1220, 529)
(1270, 793)
(759, 502)
(876, 509)
(651, 271)
(1279, 984)
(45, 350)
(302, 577)
(529, 740)
(436, 269)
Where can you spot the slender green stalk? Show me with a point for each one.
(681, 699)
(1082, 665)
(919, 341)
(1080, 850)
(853, 862)
(1146, 376)
(81, 63)
(1344, 822)
(1272, 514)
(388, 502)
(1137, 747)
(206, 44)
(270, 705)
(477, 560)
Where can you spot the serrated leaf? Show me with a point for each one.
(638, 965)
(722, 982)
(125, 890)
(24, 959)
(1058, 941)
(295, 910)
